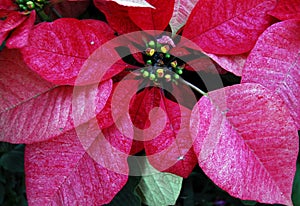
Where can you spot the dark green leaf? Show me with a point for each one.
(127, 195)
(248, 202)
(296, 187)
(2, 193)
(13, 161)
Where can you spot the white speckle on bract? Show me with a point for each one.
(180, 158)
(92, 42)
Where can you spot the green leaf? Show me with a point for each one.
(160, 188)
(248, 202)
(13, 161)
(5, 147)
(127, 195)
(2, 193)
(296, 187)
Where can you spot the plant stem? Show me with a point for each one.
(43, 15)
(193, 86)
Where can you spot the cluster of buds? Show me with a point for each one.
(159, 75)
(161, 66)
(29, 5)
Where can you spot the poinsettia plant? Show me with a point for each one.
(105, 90)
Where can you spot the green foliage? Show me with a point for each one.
(160, 189)
(12, 180)
(127, 196)
(296, 187)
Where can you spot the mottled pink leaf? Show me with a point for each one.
(117, 16)
(182, 10)
(19, 36)
(246, 142)
(12, 19)
(56, 53)
(150, 18)
(228, 27)
(18, 83)
(287, 9)
(275, 63)
(61, 172)
(33, 109)
(7, 4)
(231, 63)
(167, 141)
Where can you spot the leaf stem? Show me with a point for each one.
(56, 12)
(43, 15)
(193, 86)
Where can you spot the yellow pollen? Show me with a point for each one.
(168, 77)
(160, 73)
(165, 49)
(150, 52)
(174, 64)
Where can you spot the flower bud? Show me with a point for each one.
(150, 51)
(160, 73)
(176, 76)
(168, 77)
(22, 7)
(149, 62)
(30, 5)
(145, 74)
(164, 49)
(151, 44)
(152, 77)
(179, 71)
(174, 64)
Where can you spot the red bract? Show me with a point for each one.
(61, 172)
(128, 19)
(244, 136)
(60, 55)
(67, 8)
(14, 24)
(228, 27)
(168, 143)
(274, 63)
(34, 110)
(287, 9)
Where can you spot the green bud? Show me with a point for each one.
(168, 77)
(151, 44)
(152, 77)
(20, 1)
(22, 7)
(149, 62)
(179, 71)
(176, 76)
(145, 74)
(30, 5)
(167, 55)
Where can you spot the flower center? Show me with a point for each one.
(160, 66)
(29, 5)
